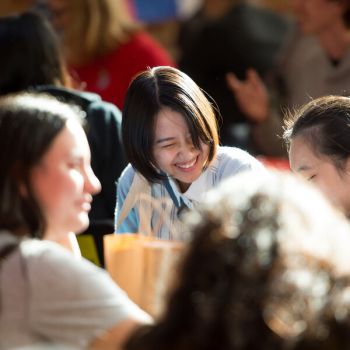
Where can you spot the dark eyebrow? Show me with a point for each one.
(165, 140)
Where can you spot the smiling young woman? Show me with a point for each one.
(171, 139)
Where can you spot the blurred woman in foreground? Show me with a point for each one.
(46, 187)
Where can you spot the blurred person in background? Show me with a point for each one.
(33, 61)
(46, 187)
(268, 269)
(230, 36)
(314, 62)
(104, 47)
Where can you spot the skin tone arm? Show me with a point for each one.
(249, 90)
(115, 337)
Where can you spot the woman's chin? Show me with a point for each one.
(78, 224)
(82, 224)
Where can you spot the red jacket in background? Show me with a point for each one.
(110, 75)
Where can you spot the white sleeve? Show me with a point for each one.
(71, 300)
(234, 160)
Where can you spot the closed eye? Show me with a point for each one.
(312, 177)
(168, 145)
(75, 163)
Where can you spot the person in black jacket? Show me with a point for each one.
(33, 61)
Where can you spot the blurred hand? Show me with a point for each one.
(251, 95)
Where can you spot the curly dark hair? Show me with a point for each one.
(251, 281)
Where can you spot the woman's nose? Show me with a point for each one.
(92, 183)
(186, 147)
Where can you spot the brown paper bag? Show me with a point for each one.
(143, 266)
(123, 261)
(160, 260)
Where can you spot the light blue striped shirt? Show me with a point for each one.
(228, 162)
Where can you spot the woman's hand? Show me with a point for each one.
(251, 95)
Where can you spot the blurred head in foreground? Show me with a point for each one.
(268, 268)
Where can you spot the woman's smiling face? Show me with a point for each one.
(173, 149)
